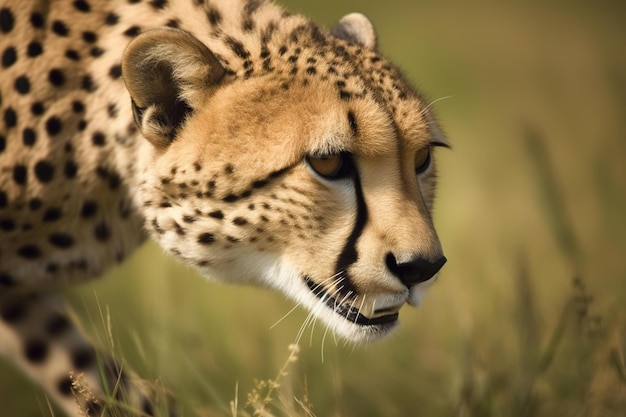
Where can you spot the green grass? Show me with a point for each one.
(527, 317)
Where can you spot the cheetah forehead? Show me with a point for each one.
(263, 41)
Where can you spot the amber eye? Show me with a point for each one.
(328, 166)
(422, 160)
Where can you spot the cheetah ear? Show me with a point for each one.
(168, 74)
(356, 28)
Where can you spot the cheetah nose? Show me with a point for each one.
(415, 271)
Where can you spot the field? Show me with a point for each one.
(527, 318)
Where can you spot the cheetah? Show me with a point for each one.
(247, 141)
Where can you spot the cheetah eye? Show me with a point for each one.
(422, 160)
(331, 167)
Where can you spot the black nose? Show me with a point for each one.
(416, 271)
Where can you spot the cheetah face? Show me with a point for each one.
(317, 188)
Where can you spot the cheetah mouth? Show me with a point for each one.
(349, 312)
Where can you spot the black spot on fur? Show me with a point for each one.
(7, 225)
(214, 17)
(89, 209)
(179, 230)
(230, 198)
(10, 118)
(35, 204)
(20, 174)
(115, 72)
(102, 232)
(216, 215)
(96, 51)
(88, 84)
(112, 177)
(54, 125)
(36, 350)
(70, 170)
(36, 20)
(64, 386)
(112, 110)
(61, 240)
(4, 199)
(158, 4)
(82, 6)
(57, 325)
(14, 312)
(44, 171)
(72, 54)
(98, 139)
(7, 280)
(52, 214)
(37, 108)
(34, 49)
(237, 47)
(248, 25)
(206, 238)
(89, 36)
(7, 21)
(9, 56)
(83, 358)
(22, 84)
(78, 107)
(132, 31)
(60, 28)
(56, 77)
(240, 221)
(111, 19)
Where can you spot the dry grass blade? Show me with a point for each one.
(551, 195)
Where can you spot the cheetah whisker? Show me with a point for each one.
(432, 103)
(295, 307)
(323, 341)
(285, 316)
(303, 327)
(311, 318)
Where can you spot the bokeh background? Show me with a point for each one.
(528, 315)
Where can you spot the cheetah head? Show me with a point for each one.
(313, 174)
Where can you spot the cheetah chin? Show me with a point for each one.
(345, 317)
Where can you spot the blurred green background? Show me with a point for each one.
(527, 318)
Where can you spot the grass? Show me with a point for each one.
(527, 318)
